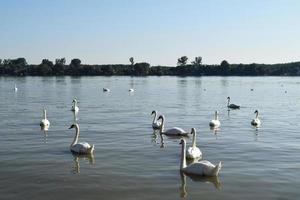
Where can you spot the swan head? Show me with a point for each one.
(74, 100)
(193, 131)
(160, 117)
(256, 111)
(73, 126)
(153, 112)
(228, 98)
(182, 141)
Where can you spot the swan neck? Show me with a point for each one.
(256, 115)
(228, 100)
(76, 135)
(183, 160)
(45, 114)
(74, 104)
(194, 140)
(216, 116)
(154, 119)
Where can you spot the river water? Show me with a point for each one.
(129, 161)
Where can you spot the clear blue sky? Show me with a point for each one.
(154, 31)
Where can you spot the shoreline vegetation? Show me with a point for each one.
(20, 67)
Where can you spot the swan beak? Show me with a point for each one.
(71, 127)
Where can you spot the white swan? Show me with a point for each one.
(256, 121)
(193, 151)
(75, 108)
(175, 131)
(232, 106)
(131, 90)
(16, 89)
(155, 124)
(215, 123)
(106, 90)
(45, 124)
(82, 147)
(202, 168)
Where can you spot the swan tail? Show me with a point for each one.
(91, 149)
(217, 169)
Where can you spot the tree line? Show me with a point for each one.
(20, 67)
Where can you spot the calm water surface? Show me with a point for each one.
(129, 161)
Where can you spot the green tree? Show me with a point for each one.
(141, 69)
(197, 61)
(76, 62)
(224, 67)
(60, 61)
(45, 68)
(182, 61)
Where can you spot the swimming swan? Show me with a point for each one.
(193, 151)
(106, 90)
(155, 123)
(215, 123)
(16, 89)
(131, 90)
(45, 124)
(232, 106)
(202, 168)
(75, 108)
(256, 120)
(80, 148)
(175, 131)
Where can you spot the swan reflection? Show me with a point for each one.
(215, 131)
(45, 136)
(162, 142)
(214, 180)
(154, 136)
(77, 158)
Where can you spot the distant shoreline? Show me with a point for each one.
(19, 67)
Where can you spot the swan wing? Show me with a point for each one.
(175, 131)
(234, 106)
(255, 122)
(193, 152)
(214, 123)
(203, 168)
(45, 122)
(82, 147)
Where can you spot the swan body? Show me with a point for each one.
(202, 168)
(193, 151)
(45, 124)
(232, 106)
(215, 123)
(15, 88)
(175, 131)
(155, 124)
(256, 121)
(131, 90)
(82, 147)
(75, 108)
(106, 90)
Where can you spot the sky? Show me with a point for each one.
(153, 31)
